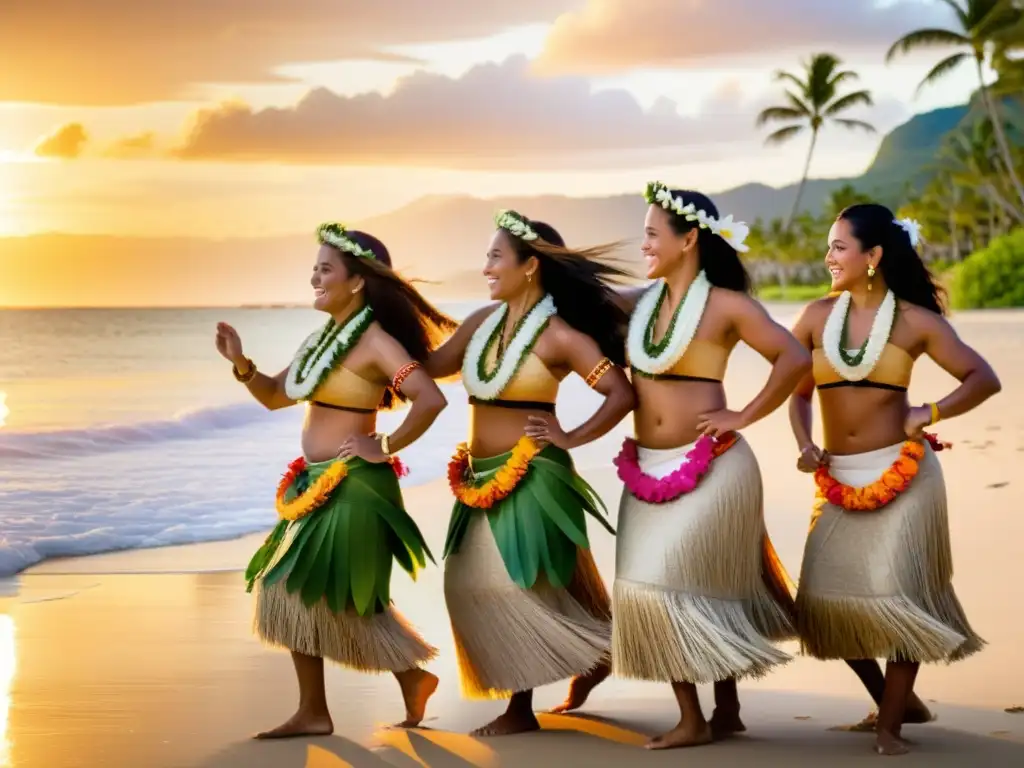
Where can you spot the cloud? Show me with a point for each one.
(496, 116)
(609, 36)
(111, 52)
(66, 142)
(140, 145)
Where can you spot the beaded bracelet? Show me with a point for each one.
(599, 371)
(246, 377)
(402, 375)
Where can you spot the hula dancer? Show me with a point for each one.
(877, 568)
(323, 575)
(526, 602)
(699, 593)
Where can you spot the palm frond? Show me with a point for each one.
(926, 38)
(843, 103)
(855, 124)
(783, 135)
(799, 104)
(779, 114)
(842, 76)
(961, 14)
(788, 77)
(943, 68)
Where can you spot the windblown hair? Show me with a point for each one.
(901, 266)
(719, 260)
(580, 281)
(397, 306)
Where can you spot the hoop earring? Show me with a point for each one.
(871, 274)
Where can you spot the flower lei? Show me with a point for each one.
(680, 481)
(516, 224)
(650, 358)
(485, 385)
(319, 491)
(857, 365)
(872, 497)
(500, 485)
(336, 236)
(321, 353)
(733, 232)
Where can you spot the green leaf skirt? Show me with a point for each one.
(342, 552)
(541, 524)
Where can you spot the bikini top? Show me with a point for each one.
(702, 361)
(346, 390)
(892, 371)
(534, 386)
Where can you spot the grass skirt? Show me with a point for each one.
(699, 592)
(526, 602)
(323, 582)
(879, 584)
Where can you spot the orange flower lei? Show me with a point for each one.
(500, 485)
(313, 496)
(870, 498)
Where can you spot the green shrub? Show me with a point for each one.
(801, 293)
(992, 277)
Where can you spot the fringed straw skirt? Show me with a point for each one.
(699, 592)
(526, 603)
(323, 581)
(878, 585)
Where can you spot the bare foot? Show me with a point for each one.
(300, 724)
(916, 713)
(418, 686)
(581, 686)
(509, 723)
(682, 736)
(724, 724)
(890, 745)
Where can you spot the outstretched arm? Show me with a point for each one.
(581, 353)
(446, 360)
(267, 390)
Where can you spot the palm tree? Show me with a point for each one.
(982, 25)
(814, 101)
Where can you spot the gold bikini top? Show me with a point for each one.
(534, 386)
(346, 390)
(892, 371)
(702, 361)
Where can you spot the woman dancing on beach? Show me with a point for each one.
(877, 568)
(323, 575)
(526, 602)
(699, 592)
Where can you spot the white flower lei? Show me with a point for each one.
(321, 352)
(510, 361)
(515, 224)
(680, 334)
(733, 232)
(335, 235)
(881, 328)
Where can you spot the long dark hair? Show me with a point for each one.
(580, 281)
(901, 266)
(719, 260)
(397, 306)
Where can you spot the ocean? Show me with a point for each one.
(124, 429)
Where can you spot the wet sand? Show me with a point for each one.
(146, 658)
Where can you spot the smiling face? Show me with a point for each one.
(333, 286)
(846, 260)
(662, 248)
(506, 275)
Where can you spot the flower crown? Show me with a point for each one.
(913, 229)
(336, 236)
(514, 223)
(733, 232)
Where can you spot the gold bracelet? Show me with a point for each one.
(599, 371)
(246, 377)
(384, 447)
(935, 413)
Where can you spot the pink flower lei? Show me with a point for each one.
(681, 481)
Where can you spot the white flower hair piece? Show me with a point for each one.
(515, 224)
(912, 227)
(336, 236)
(733, 232)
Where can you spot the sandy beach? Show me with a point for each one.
(145, 657)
